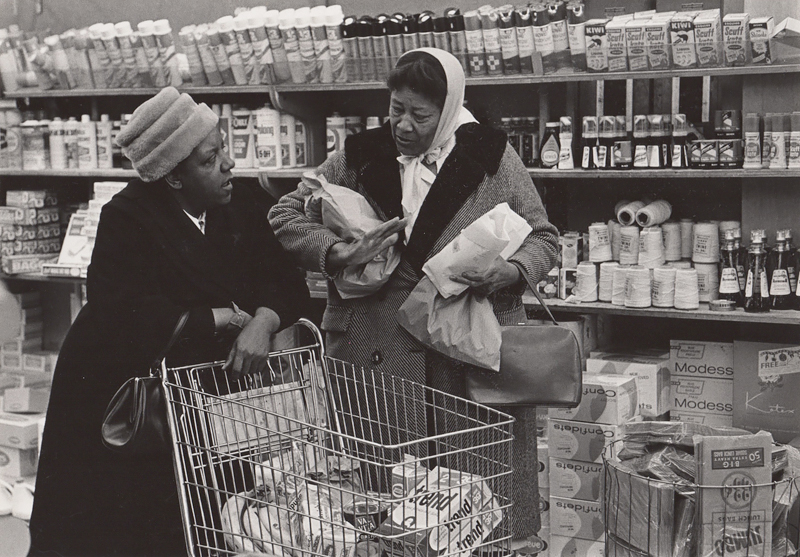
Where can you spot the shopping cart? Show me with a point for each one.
(319, 458)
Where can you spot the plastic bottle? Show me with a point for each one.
(729, 287)
(220, 55)
(756, 291)
(58, 152)
(565, 161)
(425, 29)
(228, 37)
(543, 37)
(781, 295)
(242, 138)
(104, 146)
(87, 143)
(441, 39)
(123, 31)
(158, 73)
(302, 24)
(333, 27)
(207, 59)
(551, 149)
(350, 44)
(557, 13)
(458, 36)
(33, 157)
(576, 32)
(288, 141)
(279, 56)
(588, 142)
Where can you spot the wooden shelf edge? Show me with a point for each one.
(791, 317)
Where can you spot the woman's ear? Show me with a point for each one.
(173, 180)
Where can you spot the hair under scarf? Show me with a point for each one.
(453, 116)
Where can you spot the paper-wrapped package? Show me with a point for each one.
(441, 313)
(349, 215)
(501, 232)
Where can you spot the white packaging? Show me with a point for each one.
(657, 43)
(242, 138)
(708, 39)
(636, 44)
(607, 399)
(701, 395)
(58, 153)
(19, 431)
(543, 469)
(681, 32)
(406, 476)
(544, 507)
(617, 46)
(690, 358)
(652, 377)
(573, 479)
(26, 400)
(268, 140)
(580, 440)
(735, 31)
(87, 143)
(576, 519)
(104, 146)
(301, 143)
(71, 141)
(15, 463)
(573, 547)
(288, 140)
(335, 133)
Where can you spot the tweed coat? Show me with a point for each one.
(480, 172)
(149, 265)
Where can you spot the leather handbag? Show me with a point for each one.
(135, 421)
(540, 365)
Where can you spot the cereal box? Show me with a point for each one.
(736, 35)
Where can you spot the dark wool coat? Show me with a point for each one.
(150, 263)
(480, 172)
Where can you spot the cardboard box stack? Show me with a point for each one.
(544, 493)
(577, 438)
(76, 253)
(30, 230)
(702, 382)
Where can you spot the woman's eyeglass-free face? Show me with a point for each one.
(414, 119)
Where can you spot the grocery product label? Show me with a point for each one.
(780, 361)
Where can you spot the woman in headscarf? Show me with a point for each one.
(428, 174)
(180, 251)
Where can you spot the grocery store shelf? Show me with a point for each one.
(129, 173)
(665, 173)
(561, 76)
(37, 277)
(702, 314)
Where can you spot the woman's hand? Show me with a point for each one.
(500, 274)
(366, 248)
(250, 351)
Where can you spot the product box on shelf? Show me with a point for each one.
(607, 399)
(652, 377)
(543, 470)
(10, 361)
(736, 34)
(580, 440)
(571, 250)
(681, 33)
(573, 479)
(567, 279)
(576, 519)
(31, 198)
(32, 216)
(617, 46)
(19, 430)
(786, 41)
(693, 358)
(701, 396)
(636, 44)
(548, 286)
(656, 34)
(26, 400)
(596, 45)
(11, 215)
(21, 345)
(24, 264)
(16, 462)
(708, 38)
(766, 384)
(760, 33)
(574, 547)
(39, 361)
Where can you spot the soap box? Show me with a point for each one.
(702, 395)
(652, 376)
(574, 479)
(15, 462)
(574, 547)
(766, 388)
(576, 519)
(580, 440)
(19, 431)
(606, 399)
(691, 358)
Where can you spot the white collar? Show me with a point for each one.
(199, 222)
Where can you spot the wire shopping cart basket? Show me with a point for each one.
(320, 458)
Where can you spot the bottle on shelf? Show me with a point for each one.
(680, 135)
(741, 258)
(792, 268)
(565, 161)
(641, 140)
(550, 150)
(104, 145)
(622, 154)
(756, 292)
(606, 126)
(588, 142)
(778, 271)
(530, 141)
(729, 287)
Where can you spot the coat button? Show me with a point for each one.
(377, 357)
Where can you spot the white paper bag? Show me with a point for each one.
(501, 232)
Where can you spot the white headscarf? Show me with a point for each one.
(416, 179)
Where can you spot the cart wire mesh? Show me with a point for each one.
(320, 458)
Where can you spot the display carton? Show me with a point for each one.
(16, 462)
(574, 479)
(596, 45)
(542, 454)
(617, 46)
(691, 358)
(10, 361)
(31, 198)
(652, 377)
(26, 400)
(786, 41)
(701, 395)
(39, 361)
(576, 519)
(574, 547)
(760, 32)
(736, 35)
(606, 399)
(681, 37)
(708, 39)
(636, 44)
(19, 431)
(580, 440)
(656, 34)
(766, 388)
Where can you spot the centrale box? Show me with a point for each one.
(690, 358)
(574, 547)
(607, 399)
(651, 374)
(574, 479)
(577, 519)
(580, 440)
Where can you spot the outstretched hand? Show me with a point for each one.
(364, 248)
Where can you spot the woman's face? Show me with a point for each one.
(205, 176)
(414, 119)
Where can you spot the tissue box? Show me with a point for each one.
(573, 479)
(16, 462)
(651, 374)
(573, 547)
(702, 396)
(576, 519)
(21, 432)
(580, 440)
(765, 388)
(607, 399)
(689, 358)
(26, 400)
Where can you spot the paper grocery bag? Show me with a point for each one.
(463, 327)
(500, 232)
(349, 215)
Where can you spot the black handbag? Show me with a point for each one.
(540, 365)
(135, 421)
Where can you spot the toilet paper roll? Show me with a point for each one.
(687, 292)
(672, 240)
(654, 214)
(664, 287)
(586, 282)
(605, 290)
(626, 215)
(638, 287)
(687, 227)
(629, 245)
(705, 242)
(707, 281)
(651, 248)
(618, 280)
(599, 243)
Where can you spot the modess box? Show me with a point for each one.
(580, 440)
(690, 358)
(607, 399)
(702, 395)
(576, 519)
(766, 388)
(574, 479)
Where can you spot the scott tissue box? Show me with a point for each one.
(580, 440)
(574, 479)
(607, 399)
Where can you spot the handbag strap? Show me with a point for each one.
(535, 290)
(176, 333)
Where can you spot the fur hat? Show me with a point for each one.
(164, 131)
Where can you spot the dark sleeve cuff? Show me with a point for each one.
(200, 325)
